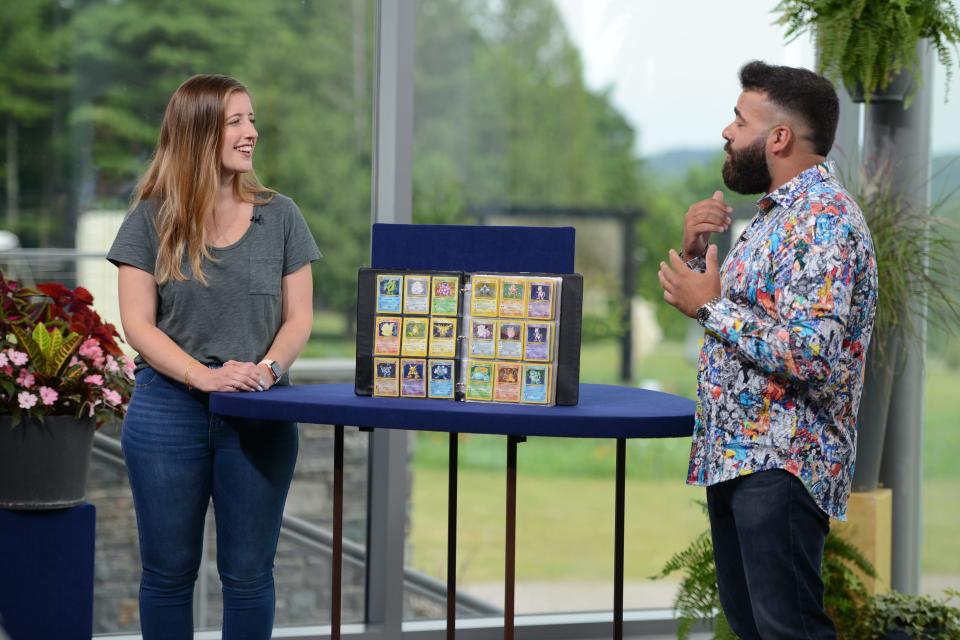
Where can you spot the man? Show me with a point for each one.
(788, 319)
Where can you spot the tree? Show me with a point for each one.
(32, 79)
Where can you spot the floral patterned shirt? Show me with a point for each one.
(781, 367)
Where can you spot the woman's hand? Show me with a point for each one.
(234, 376)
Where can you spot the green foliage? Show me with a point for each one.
(843, 590)
(666, 203)
(916, 258)
(49, 350)
(920, 617)
(698, 599)
(57, 356)
(599, 326)
(865, 43)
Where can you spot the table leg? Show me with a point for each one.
(618, 541)
(452, 538)
(511, 547)
(335, 581)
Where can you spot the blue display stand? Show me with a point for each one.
(46, 573)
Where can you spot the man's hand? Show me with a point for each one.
(687, 289)
(702, 219)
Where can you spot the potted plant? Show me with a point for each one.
(916, 259)
(62, 374)
(897, 616)
(698, 599)
(871, 45)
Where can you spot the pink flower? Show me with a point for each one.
(4, 361)
(129, 366)
(112, 396)
(74, 361)
(112, 365)
(48, 396)
(17, 357)
(26, 400)
(90, 349)
(94, 379)
(25, 379)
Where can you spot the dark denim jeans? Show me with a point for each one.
(768, 537)
(179, 456)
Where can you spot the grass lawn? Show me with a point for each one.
(564, 525)
(327, 337)
(565, 490)
(941, 472)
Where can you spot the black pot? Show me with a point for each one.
(873, 412)
(897, 91)
(44, 463)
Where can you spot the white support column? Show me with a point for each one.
(392, 199)
(898, 140)
(392, 202)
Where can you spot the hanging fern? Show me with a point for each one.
(866, 43)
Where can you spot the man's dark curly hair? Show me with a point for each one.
(803, 93)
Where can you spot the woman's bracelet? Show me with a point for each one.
(186, 375)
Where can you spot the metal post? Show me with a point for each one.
(618, 539)
(626, 343)
(452, 538)
(336, 581)
(897, 140)
(510, 552)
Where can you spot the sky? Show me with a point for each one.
(671, 67)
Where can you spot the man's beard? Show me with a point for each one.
(746, 171)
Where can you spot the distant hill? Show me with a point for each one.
(673, 164)
(945, 176)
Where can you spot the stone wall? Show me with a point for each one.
(302, 574)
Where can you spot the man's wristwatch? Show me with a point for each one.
(274, 368)
(703, 311)
(690, 262)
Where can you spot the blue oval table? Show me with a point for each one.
(604, 411)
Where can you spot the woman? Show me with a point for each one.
(215, 295)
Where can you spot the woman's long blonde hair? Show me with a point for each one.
(184, 175)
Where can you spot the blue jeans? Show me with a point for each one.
(178, 457)
(768, 537)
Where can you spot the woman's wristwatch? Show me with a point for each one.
(274, 368)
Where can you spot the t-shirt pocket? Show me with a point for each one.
(265, 275)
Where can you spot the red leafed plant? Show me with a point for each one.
(57, 356)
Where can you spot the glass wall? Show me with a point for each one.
(570, 109)
(940, 551)
(83, 86)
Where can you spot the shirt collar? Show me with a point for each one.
(788, 193)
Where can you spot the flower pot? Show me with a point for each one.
(43, 463)
(897, 91)
(873, 412)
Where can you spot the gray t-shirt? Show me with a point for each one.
(237, 315)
